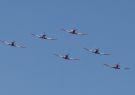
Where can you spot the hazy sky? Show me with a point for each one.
(36, 71)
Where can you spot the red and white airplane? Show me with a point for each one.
(66, 57)
(74, 31)
(96, 51)
(116, 66)
(42, 36)
(12, 43)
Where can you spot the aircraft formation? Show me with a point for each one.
(44, 36)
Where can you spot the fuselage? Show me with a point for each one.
(116, 67)
(73, 31)
(12, 43)
(43, 36)
(96, 51)
(66, 57)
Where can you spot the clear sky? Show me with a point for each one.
(36, 71)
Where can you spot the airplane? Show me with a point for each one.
(96, 51)
(42, 36)
(74, 31)
(66, 57)
(116, 66)
(12, 43)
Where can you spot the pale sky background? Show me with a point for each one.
(36, 71)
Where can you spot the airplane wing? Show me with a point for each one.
(74, 59)
(19, 46)
(107, 65)
(104, 53)
(51, 38)
(5, 42)
(35, 35)
(58, 55)
(66, 30)
(81, 33)
(90, 50)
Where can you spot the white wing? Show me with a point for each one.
(74, 59)
(36, 35)
(59, 55)
(81, 33)
(110, 66)
(19, 46)
(50, 38)
(5, 42)
(104, 53)
(90, 50)
(67, 30)
(107, 65)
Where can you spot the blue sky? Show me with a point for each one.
(36, 71)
